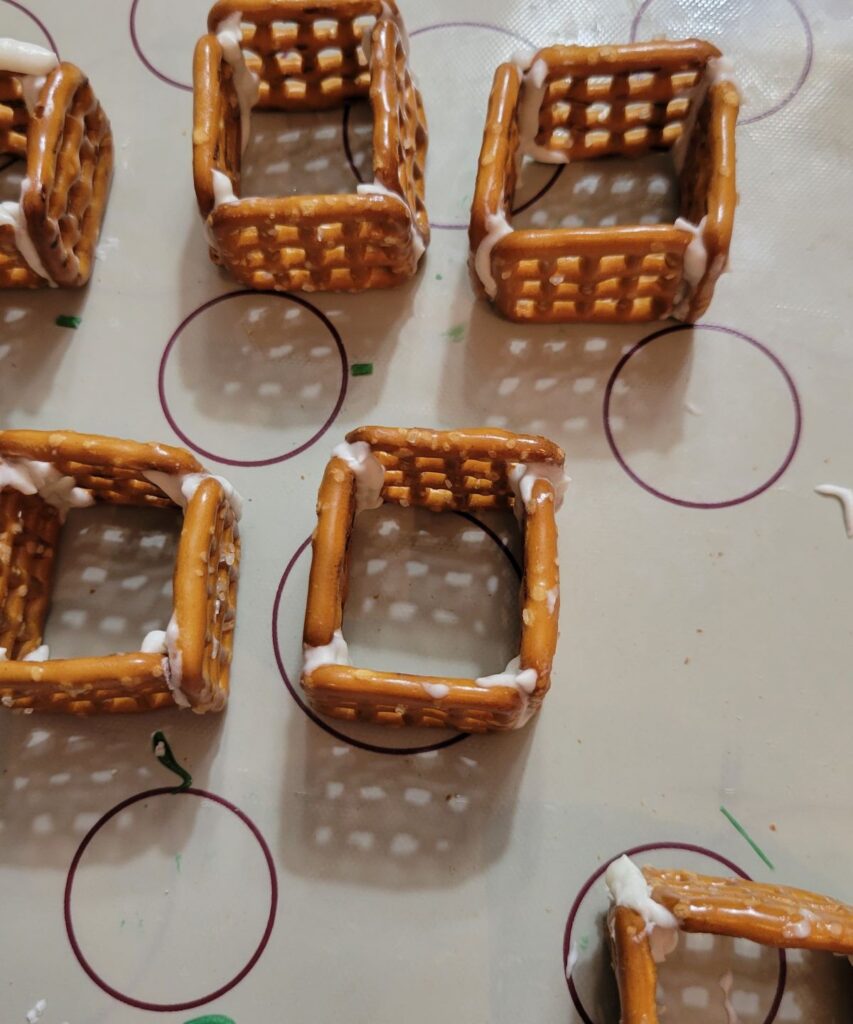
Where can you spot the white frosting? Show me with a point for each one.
(223, 190)
(44, 479)
(246, 82)
(334, 653)
(523, 680)
(154, 642)
(845, 496)
(174, 664)
(726, 985)
(4, 653)
(25, 58)
(695, 263)
(376, 188)
(551, 596)
(39, 654)
(628, 888)
(533, 86)
(34, 1015)
(436, 690)
(12, 213)
(523, 475)
(497, 226)
(369, 473)
(180, 487)
(800, 929)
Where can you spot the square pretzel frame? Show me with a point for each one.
(598, 101)
(115, 472)
(772, 915)
(461, 470)
(68, 145)
(311, 56)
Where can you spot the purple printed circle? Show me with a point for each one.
(795, 88)
(250, 463)
(488, 26)
(134, 38)
(632, 852)
(684, 502)
(142, 1004)
(374, 748)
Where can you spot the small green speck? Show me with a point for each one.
(64, 320)
(361, 369)
(583, 943)
(456, 332)
(178, 862)
(439, 277)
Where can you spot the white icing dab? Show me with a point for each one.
(246, 83)
(44, 479)
(726, 985)
(369, 473)
(720, 69)
(571, 959)
(551, 597)
(25, 58)
(376, 188)
(181, 487)
(223, 190)
(39, 654)
(335, 652)
(7, 702)
(845, 496)
(497, 227)
(628, 888)
(160, 749)
(174, 664)
(695, 264)
(154, 642)
(533, 86)
(524, 680)
(436, 690)
(523, 475)
(4, 653)
(12, 214)
(34, 1015)
(800, 929)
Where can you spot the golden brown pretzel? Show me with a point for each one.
(69, 149)
(772, 915)
(439, 470)
(323, 242)
(118, 472)
(597, 101)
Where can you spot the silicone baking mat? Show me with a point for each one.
(319, 871)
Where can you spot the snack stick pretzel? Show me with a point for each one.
(584, 102)
(68, 145)
(439, 470)
(771, 915)
(307, 57)
(43, 473)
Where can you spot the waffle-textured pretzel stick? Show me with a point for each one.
(293, 55)
(439, 470)
(578, 102)
(44, 473)
(49, 236)
(771, 915)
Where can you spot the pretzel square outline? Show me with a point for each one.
(442, 471)
(310, 56)
(194, 670)
(595, 101)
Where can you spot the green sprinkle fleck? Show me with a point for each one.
(456, 332)
(211, 1018)
(439, 277)
(64, 320)
(739, 828)
(583, 943)
(361, 369)
(163, 753)
(178, 862)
